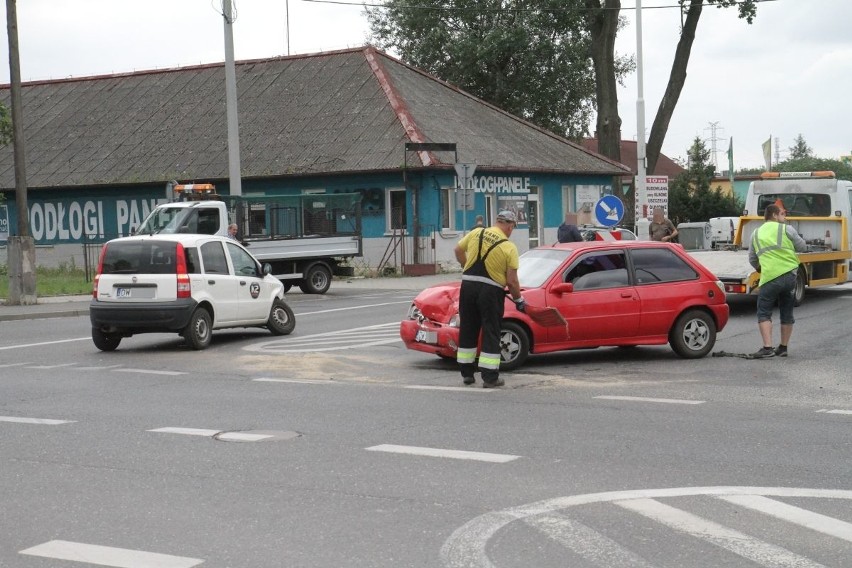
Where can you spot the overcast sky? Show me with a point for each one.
(788, 73)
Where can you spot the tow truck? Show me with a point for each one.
(305, 238)
(817, 205)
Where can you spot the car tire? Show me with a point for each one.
(693, 334)
(514, 346)
(282, 320)
(799, 290)
(199, 331)
(317, 280)
(105, 341)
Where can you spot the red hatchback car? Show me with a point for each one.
(615, 293)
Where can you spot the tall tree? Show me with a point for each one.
(800, 149)
(602, 20)
(691, 197)
(677, 77)
(528, 57)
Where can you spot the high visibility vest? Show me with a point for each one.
(775, 251)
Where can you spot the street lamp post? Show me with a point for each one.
(641, 164)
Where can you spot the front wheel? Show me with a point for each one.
(317, 280)
(105, 341)
(514, 346)
(199, 331)
(693, 335)
(281, 321)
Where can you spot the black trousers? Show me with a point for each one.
(480, 310)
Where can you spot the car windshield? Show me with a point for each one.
(165, 220)
(537, 265)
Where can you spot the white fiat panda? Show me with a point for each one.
(185, 284)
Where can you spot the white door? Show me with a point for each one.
(253, 291)
(220, 284)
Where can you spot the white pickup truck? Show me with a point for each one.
(817, 205)
(305, 238)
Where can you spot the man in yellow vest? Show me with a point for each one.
(490, 262)
(772, 252)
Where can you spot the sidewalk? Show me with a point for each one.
(72, 306)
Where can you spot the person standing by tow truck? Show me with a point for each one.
(490, 263)
(772, 252)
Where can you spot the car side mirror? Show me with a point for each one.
(267, 268)
(563, 288)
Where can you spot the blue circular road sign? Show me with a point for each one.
(609, 210)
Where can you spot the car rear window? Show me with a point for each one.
(654, 265)
(140, 257)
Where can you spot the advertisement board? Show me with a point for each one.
(657, 195)
(4, 222)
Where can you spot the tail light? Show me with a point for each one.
(99, 272)
(184, 287)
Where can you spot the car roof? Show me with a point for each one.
(186, 239)
(607, 244)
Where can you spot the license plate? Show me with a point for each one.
(424, 336)
(122, 292)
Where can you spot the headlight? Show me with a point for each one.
(455, 321)
(414, 313)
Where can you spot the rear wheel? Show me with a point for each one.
(105, 341)
(317, 280)
(199, 331)
(693, 335)
(799, 290)
(282, 321)
(514, 346)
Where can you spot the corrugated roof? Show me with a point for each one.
(333, 113)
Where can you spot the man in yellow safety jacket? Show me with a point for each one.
(772, 252)
(490, 262)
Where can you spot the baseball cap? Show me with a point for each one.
(508, 216)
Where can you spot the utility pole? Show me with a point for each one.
(714, 130)
(641, 163)
(236, 187)
(21, 251)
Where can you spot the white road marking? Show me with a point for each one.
(835, 411)
(367, 306)
(359, 337)
(14, 365)
(466, 547)
(100, 368)
(760, 552)
(150, 372)
(186, 431)
(108, 556)
(792, 514)
(439, 453)
(89, 338)
(460, 389)
(47, 421)
(594, 547)
(51, 366)
(243, 437)
(298, 381)
(645, 399)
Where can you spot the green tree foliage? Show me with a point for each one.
(690, 196)
(813, 164)
(800, 149)
(5, 125)
(530, 58)
(5, 132)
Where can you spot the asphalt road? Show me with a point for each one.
(337, 447)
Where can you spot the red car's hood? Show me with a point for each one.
(440, 302)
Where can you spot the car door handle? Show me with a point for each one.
(627, 294)
(211, 281)
(242, 282)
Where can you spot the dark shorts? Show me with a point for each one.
(780, 291)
